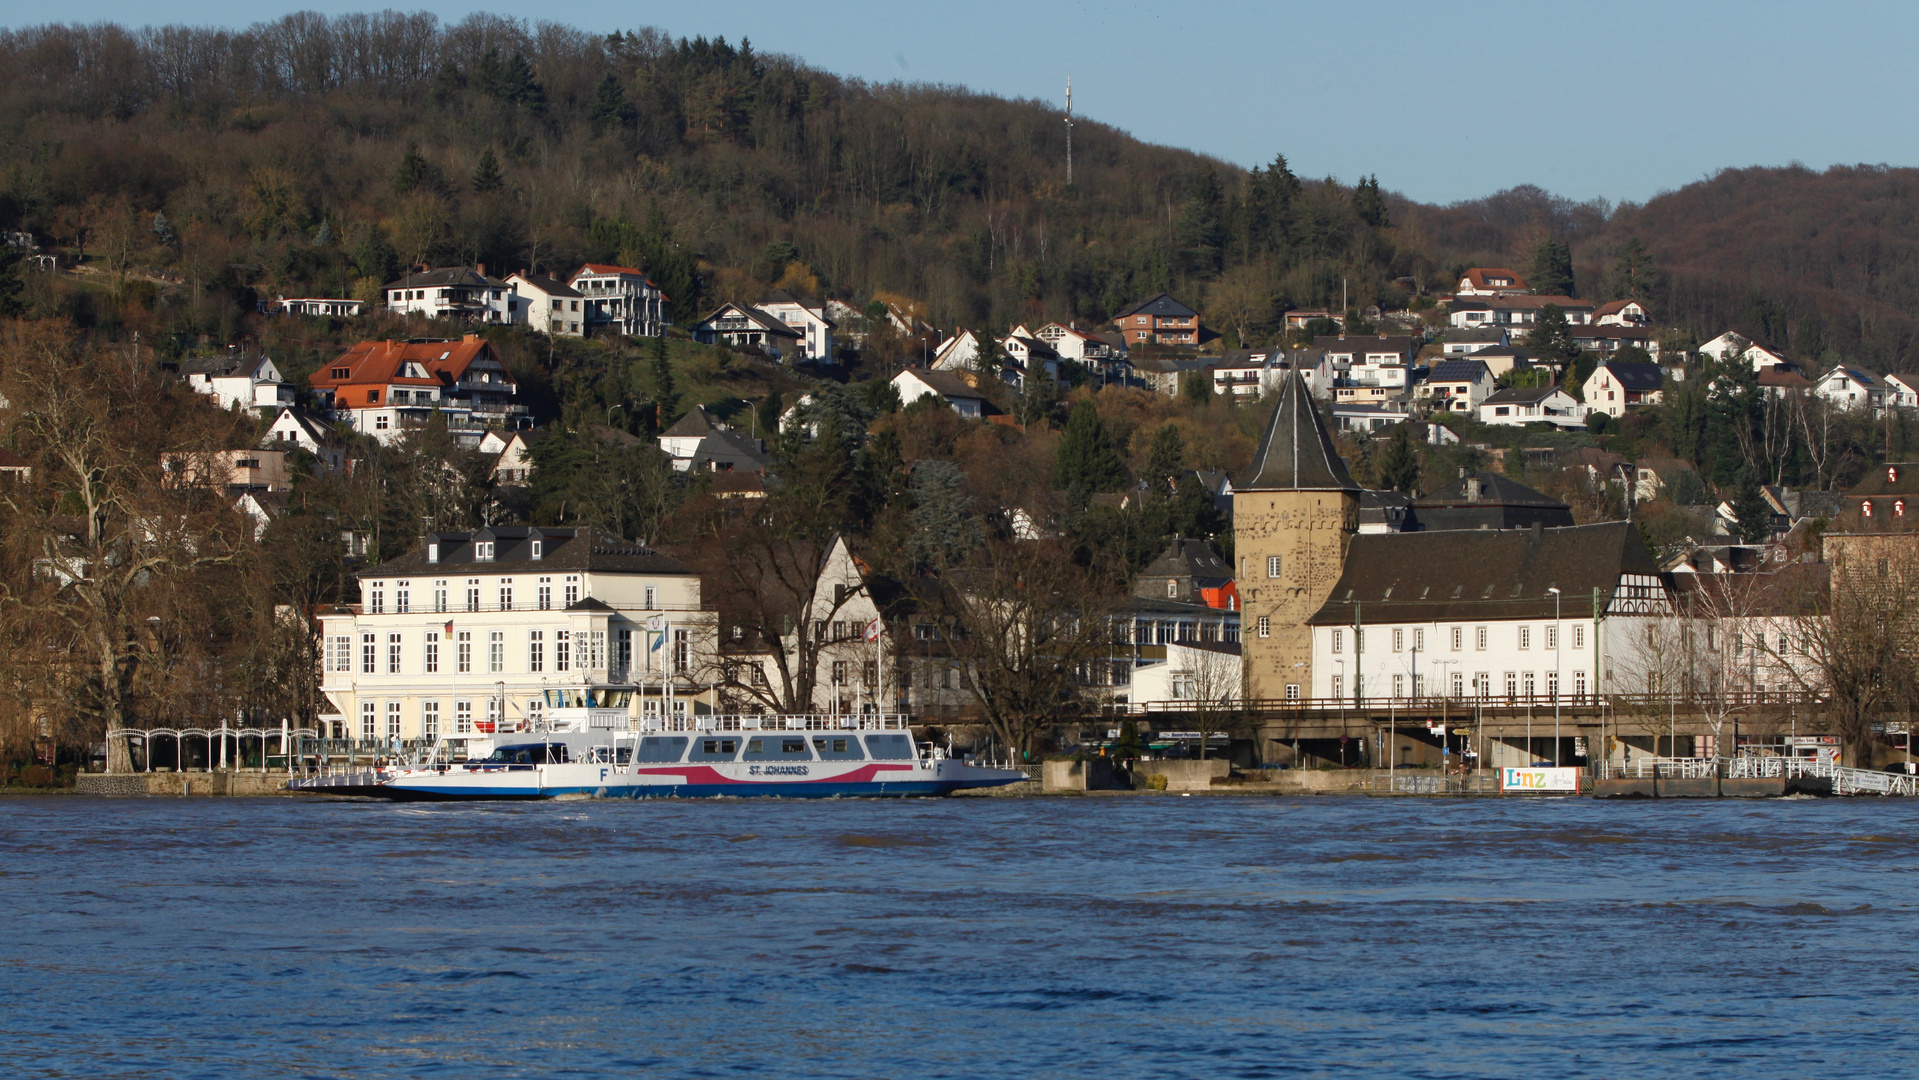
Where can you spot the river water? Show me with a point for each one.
(1095, 937)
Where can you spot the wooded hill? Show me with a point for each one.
(316, 155)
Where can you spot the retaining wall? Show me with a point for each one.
(181, 784)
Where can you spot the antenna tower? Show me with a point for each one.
(1069, 131)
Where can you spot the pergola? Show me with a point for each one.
(221, 738)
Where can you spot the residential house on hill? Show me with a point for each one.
(1346, 351)
(1517, 313)
(1780, 381)
(550, 305)
(1088, 348)
(962, 351)
(1516, 407)
(1733, 345)
(1850, 387)
(383, 388)
(1159, 320)
(1902, 391)
(297, 429)
(1621, 313)
(1491, 281)
(738, 326)
(514, 461)
(1473, 339)
(683, 437)
(1030, 355)
(620, 299)
(1458, 385)
(1611, 339)
(315, 306)
(1500, 359)
(239, 379)
(455, 292)
(1614, 387)
(808, 319)
(916, 383)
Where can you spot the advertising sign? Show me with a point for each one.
(1540, 780)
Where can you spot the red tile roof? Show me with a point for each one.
(379, 363)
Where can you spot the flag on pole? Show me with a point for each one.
(656, 626)
(873, 630)
(449, 628)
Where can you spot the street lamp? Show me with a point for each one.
(1445, 700)
(1340, 694)
(1557, 674)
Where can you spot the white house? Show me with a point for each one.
(1030, 354)
(1902, 391)
(1472, 340)
(682, 440)
(455, 292)
(1491, 281)
(1194, 673)
(1457, 385)
(240, 380)
(740, 326)
(514, 464)
(471, 632)
(961, 352)
(1852, 388)
(1515, 407)
(807, 318)
(620, 299)
(1614, 387)
(916, 383)
(1621, 313)
(1732, 344)
(1072, 343)
(1517, 313)
(334, 307)
(296, 429)
(550, 305)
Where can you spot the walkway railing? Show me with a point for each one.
(1844, 780)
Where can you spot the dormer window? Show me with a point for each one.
(483, 551)
(538, 548)
(433, 551)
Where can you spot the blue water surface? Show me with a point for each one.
(1054, 937)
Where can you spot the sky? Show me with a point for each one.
(1441, 100)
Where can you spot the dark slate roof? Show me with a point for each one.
(233, 363)
(1474, 575)
(730, 451)
(447, 275)
(1359, 345)
(1896, 478)
(1296, 454)
(694, 422)
(766, 322)
(1488, 334)
(1161, 306)
(1465, 369)
(1637, 376)
(1189, 559)
(563, 549)
(550, 286)
(1518, 395)
(1494, 489)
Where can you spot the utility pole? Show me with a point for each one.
(1069, 131)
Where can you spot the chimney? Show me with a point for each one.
(480, 269)
(1473, 489)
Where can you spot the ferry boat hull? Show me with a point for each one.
(874, 780)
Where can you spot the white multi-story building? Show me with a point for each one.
(455, 292)
(472, 629)
(808, 319)
(620, 299)
(549, 305)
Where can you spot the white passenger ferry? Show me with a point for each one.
(588, 742)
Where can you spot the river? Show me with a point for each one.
(1056, 937)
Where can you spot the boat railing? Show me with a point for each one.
(718, 722)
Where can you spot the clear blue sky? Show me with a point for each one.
(1442, 101)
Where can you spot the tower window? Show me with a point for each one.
(1272, 566)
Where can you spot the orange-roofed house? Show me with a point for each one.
(620, 300)
(384, 388)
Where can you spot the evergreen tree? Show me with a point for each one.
(1271, 200)
(1039, 396)
(486, 174)
(510, 81)
(416, 173)
(1632, 271)
(666, 397)
(944, 531)
(1750, 508)
(1551, 342)
(1201, 236)
(1552, 268)
(1368, 204)
(1086, 463)
(770, 415)
(1165, 461)
(1196, 387)
(611, 111)
(162, 232)
(987, 357)
(1398, 464)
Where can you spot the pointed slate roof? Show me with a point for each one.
(1296, 454)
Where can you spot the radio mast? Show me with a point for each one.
(1069, 131)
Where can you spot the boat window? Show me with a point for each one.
(663, 748)
(838, 749)
(715, 750)
(529, 754)
(890, 747)
(615, 699)
(776, 749)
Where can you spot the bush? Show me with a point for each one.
(1156, 782)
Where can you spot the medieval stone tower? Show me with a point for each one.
(1294, 512)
